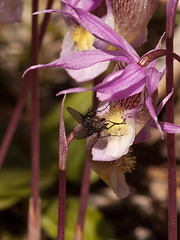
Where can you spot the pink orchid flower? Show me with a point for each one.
(128, 98)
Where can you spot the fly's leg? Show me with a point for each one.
(95, 110)
(109, 135)
(114, 123)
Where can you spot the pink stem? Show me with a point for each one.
(62, 182)
(85, 182)
(34, 228)
(62, 204)
(172, 207)
(83, 202)
(21, 101)
(14, 120)
(35, 109)
(172, 214)
(63, 146)
(45, 22)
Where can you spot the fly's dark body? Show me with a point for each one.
(89, 123)
(93, 124)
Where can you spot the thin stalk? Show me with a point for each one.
(62, 204)
(14, 120)
(85, 182)
(34, 224)
(63, 146)
(22, 97)
(35, 108)
(45, 22)
(83, 202)
(172, 207)
(172, 213)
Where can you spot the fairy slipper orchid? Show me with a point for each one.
(78, 38)
(132, 18)
(135, 83)
(112, 173)
(124, 17)
(83, 36)
(126, 119)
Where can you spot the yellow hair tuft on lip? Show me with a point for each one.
(82, 38)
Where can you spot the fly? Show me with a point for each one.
(89, 123)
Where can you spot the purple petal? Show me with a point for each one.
(164, 101)
(167, 127)
(72, 90)
(132, 17)
(47, 11)
(69, 47)
(122, 79)
(110, 21)
(84, 4)
(82, 59)
(134, 89)
(142, 136)
(153, 114)
(102, 31)
(152, 80)
(171, 7)
(142, 38)
(89, 73)
(118, 184)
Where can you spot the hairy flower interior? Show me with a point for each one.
(82, 38)
(128, 164)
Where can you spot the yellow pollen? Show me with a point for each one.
(128, 164)
(110, 47)
(82, 38)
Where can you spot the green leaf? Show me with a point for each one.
(8, 202)
(15, 185)
(75, 161)
(96, 227)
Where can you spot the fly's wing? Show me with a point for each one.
(80, 132)
(75, 114)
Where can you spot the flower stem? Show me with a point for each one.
(35, 109)
(34, 221)
(34, 225)
(85, 182)
(22, 97)
(14, 120)
(172, 214)
(63, 146)
(45, 22)
(62, 204)
(83, 202)
(171, 7)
